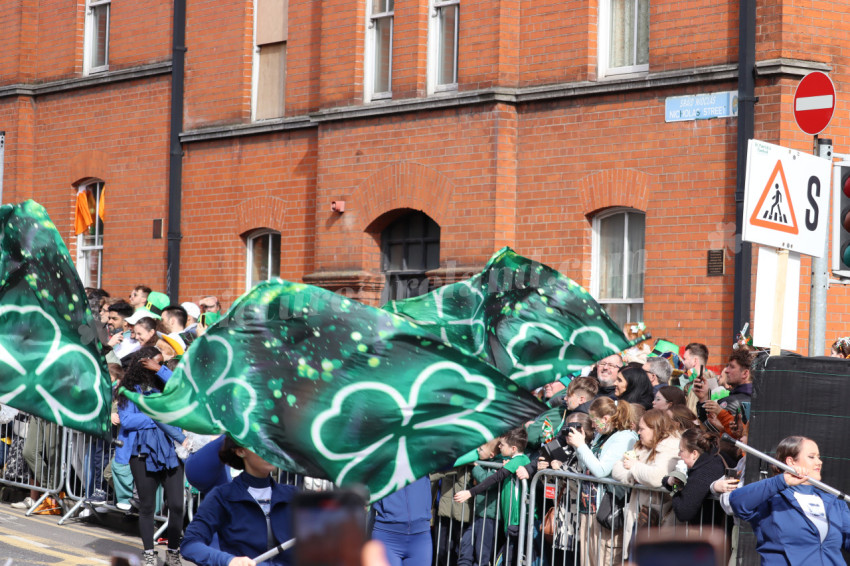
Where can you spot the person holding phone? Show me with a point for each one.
(612, 421)
(250, 515)
(724, 411)
(794, 522)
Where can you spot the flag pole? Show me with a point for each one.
(786, 468)
(275, 551)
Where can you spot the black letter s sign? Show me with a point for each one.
(812, 223)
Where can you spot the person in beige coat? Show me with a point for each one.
(654, 456)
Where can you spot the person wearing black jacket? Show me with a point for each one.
(606, 373)
(692, 503)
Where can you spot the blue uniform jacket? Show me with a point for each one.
(783, 532)
(407, 510)
(230, 511)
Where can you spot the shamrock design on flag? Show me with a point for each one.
(70, 370)
(320, 384)
(51, 362)
(539, 325)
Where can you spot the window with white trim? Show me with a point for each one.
(96, 37)
(623, 37)
(379, 49)
(270, 36)
(619, 263)
(443, 33)
(263, 261)
(90, 241)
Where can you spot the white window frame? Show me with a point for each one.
(595, 270)
(369, 94)
(83, 250)
(249, 258)
(434, 43)
(605, 41)
(89, 39)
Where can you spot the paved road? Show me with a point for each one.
(38, 541)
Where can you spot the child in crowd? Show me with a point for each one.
(512, 446)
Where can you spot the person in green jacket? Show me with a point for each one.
(512, 446)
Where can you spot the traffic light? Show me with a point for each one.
(841, 219)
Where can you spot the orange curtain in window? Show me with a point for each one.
(101, 207)
(82, 215)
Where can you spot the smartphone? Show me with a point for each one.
(330, 527)
(667, 546)
(209, 318)
(733, 474)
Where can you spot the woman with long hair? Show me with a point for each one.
(668, 396)
(653, 458)
(612, 421)
(794, 522)
(692, 503)
(633, 385)
(149, 450)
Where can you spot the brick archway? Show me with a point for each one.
(403, 185)
(90, 164)
(615, 187)
(260, 212)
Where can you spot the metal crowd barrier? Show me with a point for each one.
(465, 534)
(570, 541)
(36, 446)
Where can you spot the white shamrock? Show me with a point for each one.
(56, 352)
(402, 471)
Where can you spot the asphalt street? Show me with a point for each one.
(38, 540)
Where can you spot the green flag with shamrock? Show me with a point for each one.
(51, 363)
(532, 323)
(324, 385)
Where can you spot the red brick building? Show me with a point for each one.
(449, 128)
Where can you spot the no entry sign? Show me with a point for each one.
(814, 102)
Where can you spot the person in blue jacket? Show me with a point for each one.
(250, 515)
(149, 450)
(794, 522)
(402, 521)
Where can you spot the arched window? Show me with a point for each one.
(263, 261)
(619, 262)
(90, 241)
(410, 246)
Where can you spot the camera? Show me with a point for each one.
(557, 448)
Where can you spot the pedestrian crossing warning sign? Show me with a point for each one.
(775, 210)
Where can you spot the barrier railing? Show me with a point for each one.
(473, 532)
(33, 459)
(574, 536)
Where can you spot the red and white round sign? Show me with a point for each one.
(814, 102)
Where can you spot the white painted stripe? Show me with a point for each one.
(28, 541)
(815, 102)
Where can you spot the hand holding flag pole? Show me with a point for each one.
(786, 467)
(275, 551)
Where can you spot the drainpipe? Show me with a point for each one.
(175, 163)
(746, 129)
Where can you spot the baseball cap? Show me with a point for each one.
(174, 341)
(191, 309)
(141, 313)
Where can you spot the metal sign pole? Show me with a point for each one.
(820, 274)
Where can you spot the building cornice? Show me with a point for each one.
(789, 67)
(89, 81)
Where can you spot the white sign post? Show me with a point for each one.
(786, 204)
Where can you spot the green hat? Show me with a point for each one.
(663, 346)
(157, 302)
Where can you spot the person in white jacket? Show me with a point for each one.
(612, 421)
(654, 457)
